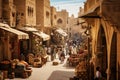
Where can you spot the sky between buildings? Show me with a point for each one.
(72, 6)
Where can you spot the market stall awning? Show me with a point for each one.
(60, 31)
(20, 34)
(91, 13)
(29, 29)
(42, 35)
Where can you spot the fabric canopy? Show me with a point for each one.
(20, 34)
(30, 29)
(60, 31)
(91, 13)
(42, 35)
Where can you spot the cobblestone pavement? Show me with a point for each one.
(50, 72)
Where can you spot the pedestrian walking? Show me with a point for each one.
(49, 53)
(62, 57)
(98, 75)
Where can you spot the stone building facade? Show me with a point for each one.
(103, 17)
(26, 21)
(80, 20)
(26, 12)
(9, 11)
(53, 16)
(62, 19)
(9, 37)
(43, 18)
(7, 16)
(21, 14)
(72, 24)
(75, 29)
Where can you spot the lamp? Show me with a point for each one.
(87, 32)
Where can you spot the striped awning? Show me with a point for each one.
(28, 29)
(20, 34)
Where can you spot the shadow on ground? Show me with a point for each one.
(61, 75)
(67, 66)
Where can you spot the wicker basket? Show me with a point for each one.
(55, 63)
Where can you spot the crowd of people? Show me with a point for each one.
(60, 51)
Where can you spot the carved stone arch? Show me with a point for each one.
(101, 51)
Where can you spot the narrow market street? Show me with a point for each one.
(50, 72)
(59, 40)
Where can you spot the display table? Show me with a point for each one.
(5, 65)
(81, 70)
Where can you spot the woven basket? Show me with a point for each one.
(55, 63)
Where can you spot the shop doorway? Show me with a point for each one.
(1, 49)
(24, 47)
(113, 57)
(45, 43)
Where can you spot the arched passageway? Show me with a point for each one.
(113, 57)
(101, 53)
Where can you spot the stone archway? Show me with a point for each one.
(101, 53)
(113, 57)
(59, 21)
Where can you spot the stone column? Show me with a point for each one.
(7, 53)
